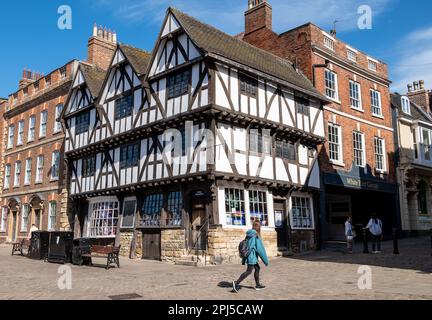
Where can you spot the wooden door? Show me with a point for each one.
(151, 245)
(198, 219)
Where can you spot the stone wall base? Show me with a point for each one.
(303, 240)
(173, 244)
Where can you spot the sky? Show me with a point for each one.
(30, 38)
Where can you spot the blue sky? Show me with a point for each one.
(401, 34)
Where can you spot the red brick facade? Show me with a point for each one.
(307, 49)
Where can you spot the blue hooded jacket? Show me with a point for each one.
(256, 249)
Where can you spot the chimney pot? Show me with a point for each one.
(421, 82)
(415, 85)
(409, 86)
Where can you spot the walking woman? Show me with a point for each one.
(256, 251)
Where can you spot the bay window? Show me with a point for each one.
(103, 218)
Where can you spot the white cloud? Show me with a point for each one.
(415, 60)
(229, 15)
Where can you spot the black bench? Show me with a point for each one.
(109, 252)
(19, 246)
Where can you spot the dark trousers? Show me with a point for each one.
(376, 243)
(248, 272)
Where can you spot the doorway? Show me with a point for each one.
(151, 249)
(198, 224)
(37, 222)
(281, 224)
(14, 226)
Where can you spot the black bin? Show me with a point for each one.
(39, 245)
(60, 246)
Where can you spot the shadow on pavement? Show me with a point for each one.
(415, 254)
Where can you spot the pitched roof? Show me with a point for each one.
(212, 40)
(139, 59)
(417, 113)
(94, 77)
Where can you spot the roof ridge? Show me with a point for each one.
(236, 39)
(133, 47)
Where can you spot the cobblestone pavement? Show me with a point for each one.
(328, 274)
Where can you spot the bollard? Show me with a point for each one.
(395, 241)
(365, 243)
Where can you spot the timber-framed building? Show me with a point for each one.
(250, 126)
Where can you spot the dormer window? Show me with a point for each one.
(329, 42)
(406, 107)
(372, 65)
(62, 73)
(47, 81)
(352, 55)
(36, 86)
(25, 92)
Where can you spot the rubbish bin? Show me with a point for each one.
(39, 245)
(60, 247)
(81, 246)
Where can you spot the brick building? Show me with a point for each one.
(357, 159)
(34, 175)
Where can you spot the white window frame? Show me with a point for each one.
(363, 150)
(11, 134)
(357, 85)
(57, 124)
(372, 64)
(379, 106)
(290, 203)
(384, 159)
(4, 217)
(25, 208)
(223, 214)
(102, 200)
(40, 168)
(20, 136)
(422, 148)
(51, 215)
(28, 171)
(17, 173)
(340, 144)
(406, 105)
(54, 163)
(335, 89)
(6, 184)
(351, 55)
(31, 135)
(43, 124)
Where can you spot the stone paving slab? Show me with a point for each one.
(328, 274)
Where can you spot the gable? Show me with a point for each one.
(80, 96)
(174, 47)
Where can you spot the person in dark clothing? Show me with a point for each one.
(256, 251)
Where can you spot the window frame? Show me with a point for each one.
(8, 171)
(20, 133)
(172, 83)
(383, 155)
(124, 163)
(11, 136)
(17, 174)
(329, 43)
(84, 122)
(334, 90)
(406, 105)
(4, 219)
(339, 143)
(57, 124)
(374, 99)
(24, 217)
(53, 165)
(362, 150)
(248, 85)
(100, 206)
(50, 215)
(39, 168)
(43, 124)
(86, 170)
(353, 57)
(262, 145)
(121, 112)
(311, 208)
(31, 134)
(28, 171)
(352, 86)
(372, 65)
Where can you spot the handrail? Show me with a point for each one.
(200, 234)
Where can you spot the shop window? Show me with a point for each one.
(151, 209)
(174, 208)
(103, 219)
(258, 207)
(235, 207)
(301, 213)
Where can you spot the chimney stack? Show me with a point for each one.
(410, 87)
(101, 46)
(28, 77)
(258, 16)
(420, 96)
